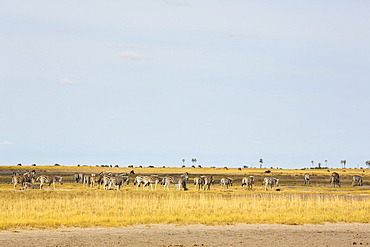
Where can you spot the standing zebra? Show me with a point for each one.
(180, 181)
(78, 177)
(226, 182)
(207, 181)
(198, 181)
(247, 182)
(138, 181)
(335, 179)
(270, 181)
(356, 180)
(150, 180)
(306, 178)
(46, 179)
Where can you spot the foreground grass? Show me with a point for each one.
(97, 208)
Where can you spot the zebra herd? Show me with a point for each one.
(28, 178)
(110, 181)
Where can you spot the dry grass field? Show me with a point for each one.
(75, 205)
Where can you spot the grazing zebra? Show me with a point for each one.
(180, 181)
(207, 181)
(117, 182)
(270, 181)
(28, 177)
(226, 182)
(45, 179)
(356, 180)
(306, 178)
(247, 182)
(335, 179)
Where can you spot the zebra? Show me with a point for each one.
(105, 180)
(150, 180)
(78, 178)
(306, 178)
(28, 177)
(138, 181)
(125, 177)
(226, 182)
(45, 179)
(86, 179)
(127, 174)
(335, 179)
(270, 181)
(207, 181)
(27, 185)
(198, 182)
(117, 182)
(180, 181)
(356, 180)
(247, 182)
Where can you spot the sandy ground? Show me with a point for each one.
(195, 235)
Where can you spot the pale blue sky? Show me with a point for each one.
(152, 82)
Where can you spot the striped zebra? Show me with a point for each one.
(306, 178)
(48, 179)
(198, 183)
(138, 181)
(226, 182)
(78, 178)
(207, 182)
(247, 182)
(150, 180)
(270, 182)
(28, 177)
(335, 179)
(180, 181)
(356, 180)
(86, 180)
(116, 182)
(96, 180)
(105, 181)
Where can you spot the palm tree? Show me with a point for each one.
(367, 163)
(326, 163)
(194, 161)
(261, 162)
(343, 162)
(312, 162)
(183, 162)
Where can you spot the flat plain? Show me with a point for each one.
(310, 215)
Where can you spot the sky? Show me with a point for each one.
(152, 82)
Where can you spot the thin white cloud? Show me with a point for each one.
(5, 143)
(66, 81)
(130, 55)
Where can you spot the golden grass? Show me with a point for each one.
(73, 205)
(76, 206)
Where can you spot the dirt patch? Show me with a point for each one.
(195, 235)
